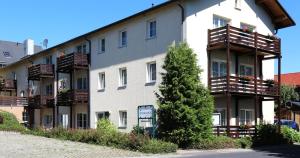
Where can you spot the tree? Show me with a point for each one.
(288, 93)
(185, 105)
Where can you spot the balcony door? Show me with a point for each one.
(246, 117)
(64, 120)
(219, 68)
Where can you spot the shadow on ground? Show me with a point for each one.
(284, 151)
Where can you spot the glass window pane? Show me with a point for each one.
(223, 69)
(215, 69)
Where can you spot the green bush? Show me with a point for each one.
(290, 135)
(10, 123)
(157, 146)
(105, 125)
(220, 142)
(268, 134)
(245, 142)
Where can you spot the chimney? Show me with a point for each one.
(28, 47)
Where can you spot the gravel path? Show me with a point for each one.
(15, 145)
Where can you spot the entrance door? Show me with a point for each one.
(64, 120)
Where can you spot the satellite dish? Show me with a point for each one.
(45, 43)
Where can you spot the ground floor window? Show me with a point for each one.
(64, 120)
(246, 117)
(122, 119)
(25, 117)
(222, 113)
(82, 120)
(47, 121)
(102, 115)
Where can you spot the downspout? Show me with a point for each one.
(88, 86)
(183, 30)
(182, 12)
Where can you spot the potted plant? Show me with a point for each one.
(269, 83)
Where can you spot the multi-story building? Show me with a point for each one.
(109, 72)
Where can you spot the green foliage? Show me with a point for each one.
(185, 105)
(10, 123)
(222, 142)
(288, 93)
(268, 134)
(290, 135)
(138, 130)
(107, 135)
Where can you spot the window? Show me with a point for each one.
(219, 69)
(63, 84)
(101, 45)
(81, 48)
(102, 115)
(223, 116)
(101, 81)
(247, 27)
(47, 121)
(123, 38)
(64, 120)
(246, 117)
(48, 60)
(122, 119)
(49, 90)
(81, 83)
(246, 70)
(151, 29)
(81, 120)
(220, 21)
(25, 117)
(6, 55)
(151, 72)
(238, 4)
(123, 77)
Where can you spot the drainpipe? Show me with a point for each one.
(88, 86)
(182, 12)
(183, 27)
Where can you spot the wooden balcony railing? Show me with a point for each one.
(72, 61)
(8, 85)
(243, 85)
(235, 131)
(218, 37)
(40, 101)
(72, 97)
(36, 72)
(13, 101)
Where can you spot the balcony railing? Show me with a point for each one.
(72, 97)
(72, 61)
(36, 72)
(218, 37)
(6, 85)
(235, 131)
(13, 101)
(40, 101)
(243, 85)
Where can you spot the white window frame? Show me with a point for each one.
(238, 4)
(219, 67)
(252, 119)
(101, 81)
(220, 20)
(246, 66)
(121, 44)
(101, 46)
(84, 85)
(123, 80)
(82, 48)
(149, 72)
(248, 25)
(123, 123)
(149, 29)
(84, 123)
(222, 122)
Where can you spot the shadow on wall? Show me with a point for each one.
(284, 151)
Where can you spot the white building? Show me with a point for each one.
(125, 59)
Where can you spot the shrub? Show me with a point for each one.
(10, 122)
(290, 135)
(220, 142)
(268, 135)
(157, 146)
(105, 125)
(245, 142)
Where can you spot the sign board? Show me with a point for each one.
(145, 112)
(216, 117)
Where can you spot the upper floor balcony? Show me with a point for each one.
(242, 40)
(243, 85)
(39, 101)
(70, 97)
(8, 85)
(37, 72)
(13, 101)
(67, 63)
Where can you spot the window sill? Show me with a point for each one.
(101, 52)
(152, 83)
(237, 8)
(120, 47)
(122, 127)
(100, 90)
(151, 38)
(122, 87)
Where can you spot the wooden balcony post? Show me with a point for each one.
(209, 70)
(279, 91)
(255, 79)
(228, 80)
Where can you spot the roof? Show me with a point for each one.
(272, 7)
(280, 17)
(11, 52)
(291, 79)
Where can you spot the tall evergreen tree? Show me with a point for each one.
(185, 105)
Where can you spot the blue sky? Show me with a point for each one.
(60, 20)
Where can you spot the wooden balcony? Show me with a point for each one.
(8, 85)
(71, 97)
(235, 131)
(242, 40)
(243, 85)
(37, 72)
(13, 101)
(41, 101)
(67, 63)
